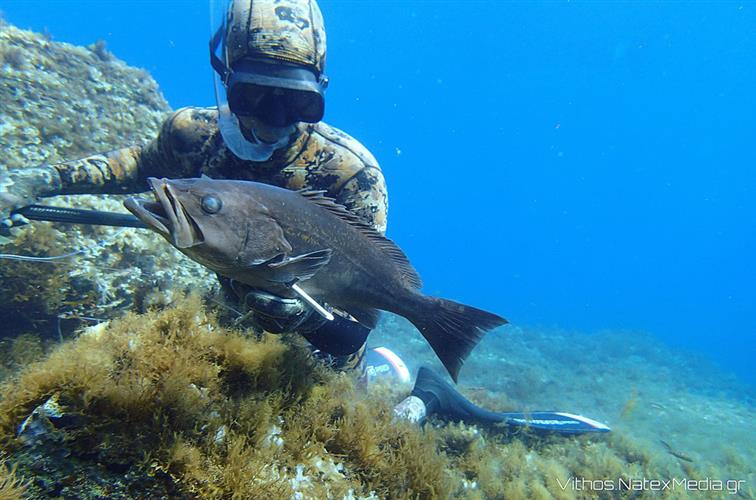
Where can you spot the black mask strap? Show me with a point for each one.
(218, 65)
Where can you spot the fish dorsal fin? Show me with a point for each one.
(388, 247)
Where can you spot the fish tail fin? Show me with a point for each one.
(452, 329)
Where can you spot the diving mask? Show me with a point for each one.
(275, 106)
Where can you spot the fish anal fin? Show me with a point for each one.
(366, 316)
(388, 247)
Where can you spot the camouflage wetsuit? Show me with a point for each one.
(189, 144)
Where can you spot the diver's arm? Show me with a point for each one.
(176, 152)
(120, 171)
(349, 172)
(113, 172)
(365, 195)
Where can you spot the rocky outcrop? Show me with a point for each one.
(62, 102)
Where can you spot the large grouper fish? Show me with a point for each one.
(272, 238)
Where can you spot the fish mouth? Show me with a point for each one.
(166, 215)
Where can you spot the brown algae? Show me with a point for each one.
(205, 411)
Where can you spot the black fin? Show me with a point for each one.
(388, 247)
(366, 316)
(299, 267)
(453, 329)
(441, 398)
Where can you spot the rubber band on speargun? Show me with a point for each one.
(320, 309)
(53, 258)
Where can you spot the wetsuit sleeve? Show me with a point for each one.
(347, 170)
(176, 152)
(113, 172)
(365, 194)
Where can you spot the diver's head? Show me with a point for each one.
(269, 62)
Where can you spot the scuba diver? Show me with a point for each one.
(268, 59)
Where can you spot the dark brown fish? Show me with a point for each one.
(271, 238)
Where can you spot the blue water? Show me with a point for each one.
(586, 166)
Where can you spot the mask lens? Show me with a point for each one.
(308, 105)
(272, 108)
(243, 99)
(276, 107)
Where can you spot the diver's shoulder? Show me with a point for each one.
(191, 116)
(341, 140)
(190, 125)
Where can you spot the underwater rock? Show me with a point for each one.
(39, 427)
(51, 458)
(62, 102)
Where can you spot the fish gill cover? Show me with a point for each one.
(163, 401)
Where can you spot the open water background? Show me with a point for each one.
(585, 166)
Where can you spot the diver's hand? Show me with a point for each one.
(271, 312)
(281, 314)
(19, 188)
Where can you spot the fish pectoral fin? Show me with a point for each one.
(263, 241)
(300, 267)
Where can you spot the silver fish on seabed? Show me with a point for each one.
(271, 238)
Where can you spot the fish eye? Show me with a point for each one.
(211, 204)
